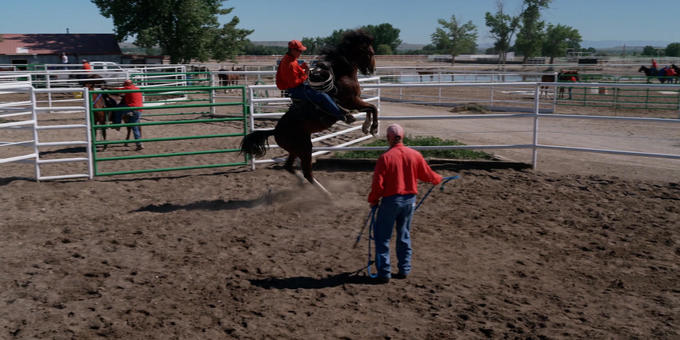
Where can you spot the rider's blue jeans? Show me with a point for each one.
(322, 99)
(394, 210)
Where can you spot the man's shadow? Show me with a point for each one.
(313, 283)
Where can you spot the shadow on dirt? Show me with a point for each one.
(303, 282)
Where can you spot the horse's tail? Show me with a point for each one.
(256, 143)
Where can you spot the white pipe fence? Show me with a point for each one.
(536, 114)
(33, 109)
(260, 100)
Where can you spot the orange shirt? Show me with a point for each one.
(289, 74)
(86, 66)
(397, 173)
(133, 99)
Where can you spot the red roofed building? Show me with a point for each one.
(47, 48)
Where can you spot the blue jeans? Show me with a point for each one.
(117, 118)
(322, 99)
(395, 209)
(136, 115)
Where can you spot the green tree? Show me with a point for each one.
(454, 38)
(184, 29)
(530, 35)
(383, 49)
(384, 34)
(649, 51)
(673, 50)
(558, 39)
(502, 27)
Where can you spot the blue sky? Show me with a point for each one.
(652, 20)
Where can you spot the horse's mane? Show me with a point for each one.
(340, 55)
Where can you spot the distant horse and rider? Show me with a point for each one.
(103, 100)
(562, 76)
(339, 66)
(668, 74)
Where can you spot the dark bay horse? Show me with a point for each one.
(293, 131)
(100, 101)
(228, 79)
(650, 72)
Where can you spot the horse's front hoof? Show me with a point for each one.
(374, 129)
(365, 126)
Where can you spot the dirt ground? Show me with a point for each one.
(243, 254)
(573, 250)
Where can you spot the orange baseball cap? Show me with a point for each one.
(296, 45)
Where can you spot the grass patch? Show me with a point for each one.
(420, 141)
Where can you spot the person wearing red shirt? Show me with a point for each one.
(86, 65)
(395, 180)
(133, 100)
(292, 76)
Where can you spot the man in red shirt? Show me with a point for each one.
(86, 65)
(292, 76)
(395, 180)
(133, 100)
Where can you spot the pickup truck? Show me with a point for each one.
(113, 74)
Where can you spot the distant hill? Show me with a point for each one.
(604, 44)
(270, 43)
(402, 47)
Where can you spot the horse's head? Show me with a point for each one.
(356, 47)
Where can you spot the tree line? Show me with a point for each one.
(189, 30)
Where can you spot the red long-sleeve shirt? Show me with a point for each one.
(133, 99)
(398, 171)
(289, 74)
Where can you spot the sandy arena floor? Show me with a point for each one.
(573, 250)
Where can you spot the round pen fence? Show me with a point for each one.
(199, 126)
(187, 136)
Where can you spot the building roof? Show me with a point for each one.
(13, 44)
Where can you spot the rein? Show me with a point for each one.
(441, 188)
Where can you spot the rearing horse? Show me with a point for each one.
(293, 131)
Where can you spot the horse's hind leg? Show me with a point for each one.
(306, 164)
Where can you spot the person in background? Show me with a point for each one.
(655, 66)
(394, 188)
(671, 73)
(64, 59)
(292, 76)
(86, 65)
(134, 100)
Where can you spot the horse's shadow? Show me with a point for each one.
(304, 282)
(268, 198)
(213, 205)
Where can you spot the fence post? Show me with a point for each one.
(34, 109)
(251, 110)
(534, 155)
(678, 104)
(492, 81)
(88, 134)
(212, 93)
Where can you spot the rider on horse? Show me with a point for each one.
(292, 76)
